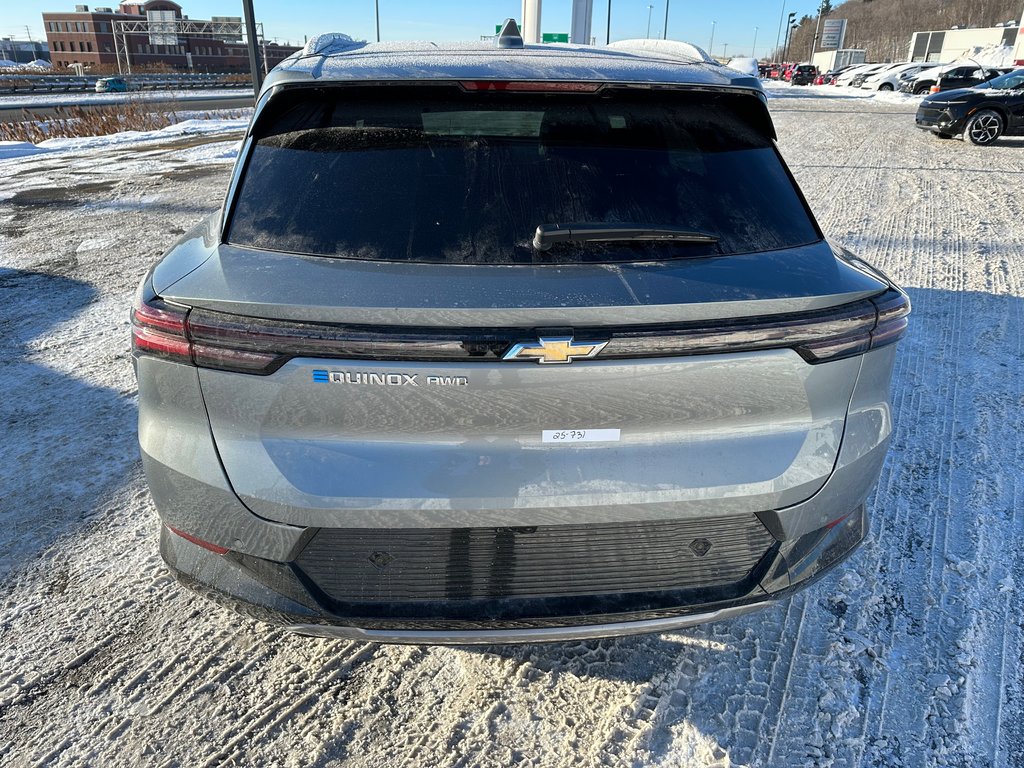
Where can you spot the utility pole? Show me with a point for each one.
(250, 39)
(28, 33)
(664, 35)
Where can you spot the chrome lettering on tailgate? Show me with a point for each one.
(321, 376)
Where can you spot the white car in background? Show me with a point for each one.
(889, 79)
(847, 76)
(744, 64)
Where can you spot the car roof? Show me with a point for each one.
(338, 58)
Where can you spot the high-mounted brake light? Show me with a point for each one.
(529, 86)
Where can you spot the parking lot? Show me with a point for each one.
(909, 655)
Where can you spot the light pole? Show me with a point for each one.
(817, 26)
(250, 40)
(778, 36)
(753, 48)
(376, 13)
(785, 39)
(664, 34)
(789, 37)
(725, 50)
(711, 45)
(608, 33)
(650, 10)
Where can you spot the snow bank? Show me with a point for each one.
(12, 149)
(989, 55)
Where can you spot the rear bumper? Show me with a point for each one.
(283, 594)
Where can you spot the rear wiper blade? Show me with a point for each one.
(588, 232)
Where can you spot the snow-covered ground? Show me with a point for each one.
(909, 655)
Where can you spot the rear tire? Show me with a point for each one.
(984, 127)
(885, 87)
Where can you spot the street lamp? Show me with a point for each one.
(725, 50)
(376, 13)
(650, 10)
(711, 45)
(789, 36)
(664, 35)
(753, 48)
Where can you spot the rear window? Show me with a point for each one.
(435, 174)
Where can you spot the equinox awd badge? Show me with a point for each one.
(321, 376)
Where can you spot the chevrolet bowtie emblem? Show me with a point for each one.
(558, 349)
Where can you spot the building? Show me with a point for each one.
(162, 37)
(951, 44)
(23, 51)
(826, 61)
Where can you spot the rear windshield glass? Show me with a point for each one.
(434, 174)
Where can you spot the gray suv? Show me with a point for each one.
(502, 342)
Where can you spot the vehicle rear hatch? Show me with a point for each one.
(382, 344)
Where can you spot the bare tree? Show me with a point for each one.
(884, 27)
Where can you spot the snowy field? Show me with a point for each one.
(909, 655)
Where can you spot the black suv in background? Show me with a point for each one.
(804, 74)
(981, 114)
(966, 76)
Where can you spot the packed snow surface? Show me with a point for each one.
(909, 654)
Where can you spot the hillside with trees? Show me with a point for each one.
(884, 27)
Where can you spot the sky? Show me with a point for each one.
(732, 21)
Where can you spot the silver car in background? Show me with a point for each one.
(497, 343)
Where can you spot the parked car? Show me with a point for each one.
(111, 85)
(889, 80)
(803, 74)
(965, 76)
(745, 64)
(982, 114)
(923, 81)
(829, 78)
(510, 342)
(846, 77)
(859, 77)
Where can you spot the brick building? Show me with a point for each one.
(87, 37)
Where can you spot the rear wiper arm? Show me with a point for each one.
(588, 232)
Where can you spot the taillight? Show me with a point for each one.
(163, 329)
(888, 323)
(158, 328)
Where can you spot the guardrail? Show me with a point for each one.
(73, 84)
